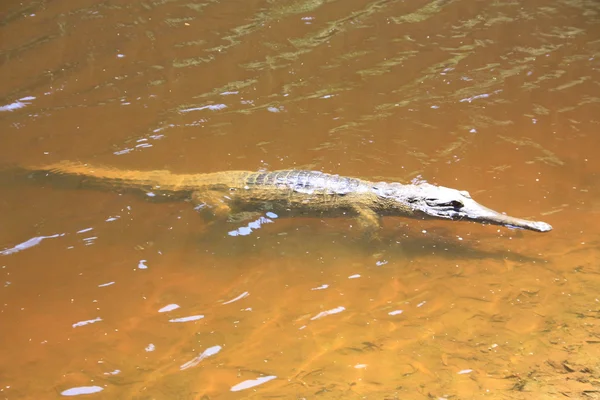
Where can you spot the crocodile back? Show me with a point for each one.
(302, 181)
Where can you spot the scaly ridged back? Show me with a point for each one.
(300, 181)
(303, 181)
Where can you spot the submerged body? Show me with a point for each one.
(296, 192)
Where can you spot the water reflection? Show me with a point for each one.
(254, 225)
(250, 383)
(211, 351)
(28, 244)
(77, 391)
(17, 104)
(87, 322)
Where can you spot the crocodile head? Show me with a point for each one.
(429, 201)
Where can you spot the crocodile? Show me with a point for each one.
(293, 192)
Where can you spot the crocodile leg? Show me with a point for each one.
(368, 221)
(213, 202)
(244, 216)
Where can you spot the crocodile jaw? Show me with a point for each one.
(473, 211)
(433, 201)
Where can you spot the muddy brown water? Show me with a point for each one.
(111, 295)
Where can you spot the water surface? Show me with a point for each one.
(107, 295)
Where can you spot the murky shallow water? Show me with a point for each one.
(134, 299)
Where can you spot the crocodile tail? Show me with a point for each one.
(85, 175)
(88, 176)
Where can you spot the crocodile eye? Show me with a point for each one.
(457, 204)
